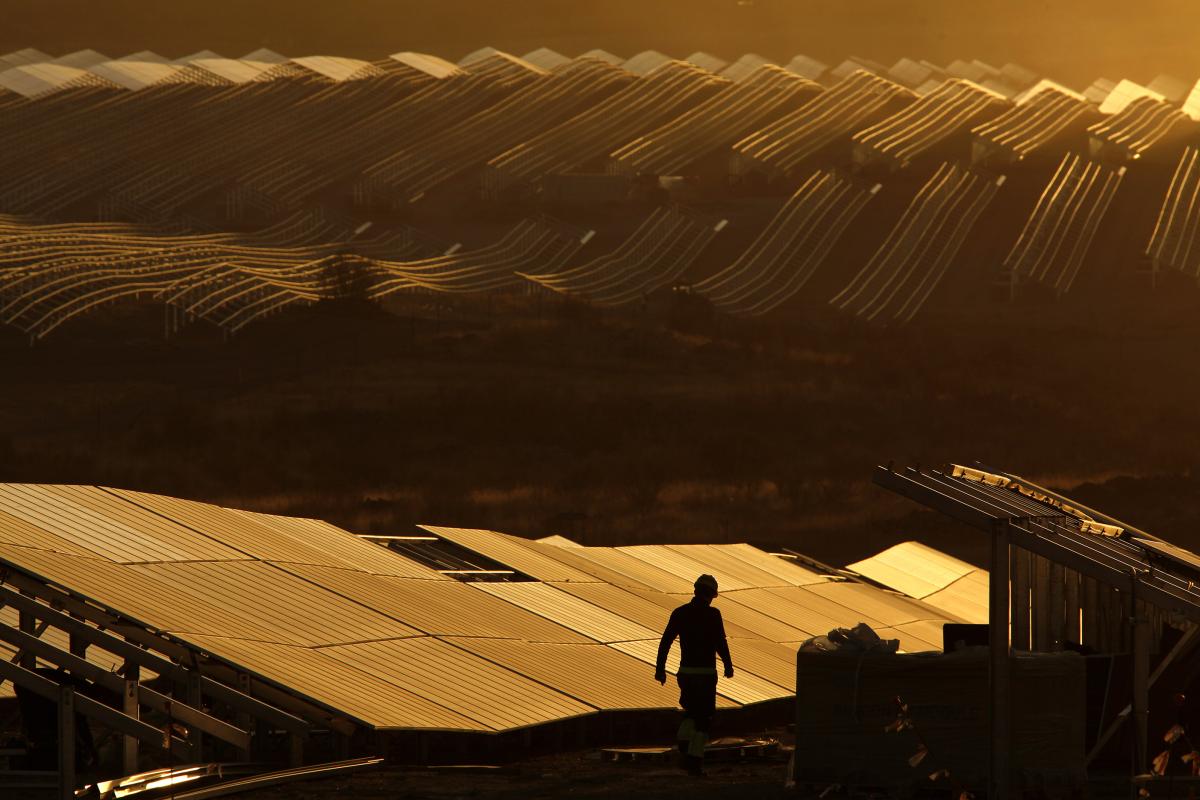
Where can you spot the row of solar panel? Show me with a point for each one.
(388, 642)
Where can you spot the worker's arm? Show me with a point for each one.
(723, 645)
(664, 648)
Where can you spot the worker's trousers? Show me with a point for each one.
(698, 697)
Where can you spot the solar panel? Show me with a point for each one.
(594, 674)
(579, 615)
(915, 569)
(464, 683)
(345, 625)
(338, 684)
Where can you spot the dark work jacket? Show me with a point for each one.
(701, 637)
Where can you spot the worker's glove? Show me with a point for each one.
(660, 676)
(728, 671)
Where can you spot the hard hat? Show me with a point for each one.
(706, 584)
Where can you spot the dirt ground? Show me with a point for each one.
(567, 775)
(615, 431)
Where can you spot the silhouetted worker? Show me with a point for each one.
(701, 638)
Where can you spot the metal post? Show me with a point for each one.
(78, 645)
(66, 743)
(1055, 616)
(129, 749)
(195, 700)
(132, 673)
(27, 624)
(998, 610)
(296, 749)
(243, 719)
(1141, 678)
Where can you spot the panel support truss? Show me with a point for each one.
(1152, 575)
(40, 607)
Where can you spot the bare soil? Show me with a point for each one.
(619, 429)
(566, 775)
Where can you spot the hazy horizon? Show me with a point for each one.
(1069, 40)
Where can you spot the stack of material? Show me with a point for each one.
(779, 148)
(671, 90)
(912, 261)
(746, 106)
(791, 248)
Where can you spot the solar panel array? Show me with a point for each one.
(386, 642)
(205, 142)
(912, 261)
(791, 249)
(1173, 242)
(931, 576)
(1058, 233)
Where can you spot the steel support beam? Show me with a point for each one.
(189, 714)
(1185, 643)
(114, 719)
(1025, 536)
(106, 641)
(938, 501)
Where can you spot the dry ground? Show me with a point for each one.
(617, 429)
(568, 775)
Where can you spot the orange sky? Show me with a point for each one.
(1072, 40)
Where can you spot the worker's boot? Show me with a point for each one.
(684, 735)
(694, 760)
